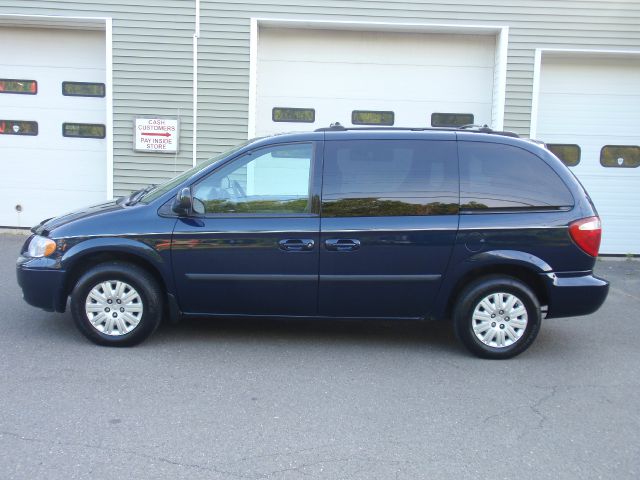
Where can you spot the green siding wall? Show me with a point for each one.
(152, 45)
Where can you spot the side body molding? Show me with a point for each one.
(510, 257)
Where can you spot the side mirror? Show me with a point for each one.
(182, 203)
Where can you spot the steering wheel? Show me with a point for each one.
(237, 189)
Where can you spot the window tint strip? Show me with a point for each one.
(294, 115)
(451, 119)
(620, 156)
(83, 130)
(369, 117)
(25, 87)
(569, 154)
(18, 127)
(83, 89)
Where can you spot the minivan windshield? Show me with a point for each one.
(159, 190)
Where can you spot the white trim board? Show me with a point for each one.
(253, 77)
(500, 79)
(378, 26)
(500, 70)
(109, 98)
(563, 52)
(194, 135)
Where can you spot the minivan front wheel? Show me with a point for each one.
(116, 304)
(497, 317)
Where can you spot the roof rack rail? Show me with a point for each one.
(338, 127)
(486, 129)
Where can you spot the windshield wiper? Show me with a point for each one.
(135, 197)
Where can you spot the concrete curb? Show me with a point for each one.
(15, 231)
(619, 259)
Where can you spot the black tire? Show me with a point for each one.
(145, 285)
(471, 297)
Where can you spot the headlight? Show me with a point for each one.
(41, 247)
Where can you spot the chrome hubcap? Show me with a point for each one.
(114, 307)
(499, 320)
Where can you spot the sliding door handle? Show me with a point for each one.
(296, 244)
(342, 244)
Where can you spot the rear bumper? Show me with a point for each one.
(571, 294)
(41, 287)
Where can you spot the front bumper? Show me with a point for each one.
(574, 294)
(42, 286)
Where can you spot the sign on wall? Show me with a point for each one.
(158, 135)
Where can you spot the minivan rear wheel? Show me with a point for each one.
(497, 317)
(117, 304)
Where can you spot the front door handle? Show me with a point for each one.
(296, 244)
(342, 244)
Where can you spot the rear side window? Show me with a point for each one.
(504, 177)
(366, 178)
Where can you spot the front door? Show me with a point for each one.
(389, 221)
(252, 245)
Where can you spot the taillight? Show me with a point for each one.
(587, 232)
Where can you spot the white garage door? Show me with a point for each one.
(52, 115)
(385, 77)
(594, 102)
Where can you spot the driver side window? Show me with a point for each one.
(270, 180)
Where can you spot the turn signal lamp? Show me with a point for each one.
(41, 247)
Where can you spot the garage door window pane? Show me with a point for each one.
(83, 130)
(568, 154)
(620, 156)
(366, 117)
(18, 127)
(390, 178)
(273, 180)
(451, 119)
(503, 177)
(294, 115)
(27, 87)
(83, 89)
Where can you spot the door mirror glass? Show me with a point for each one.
(182, 203)
(198, 207)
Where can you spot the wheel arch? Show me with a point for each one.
(519, 265)
(86, 255)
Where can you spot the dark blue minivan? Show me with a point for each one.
(490, 231)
